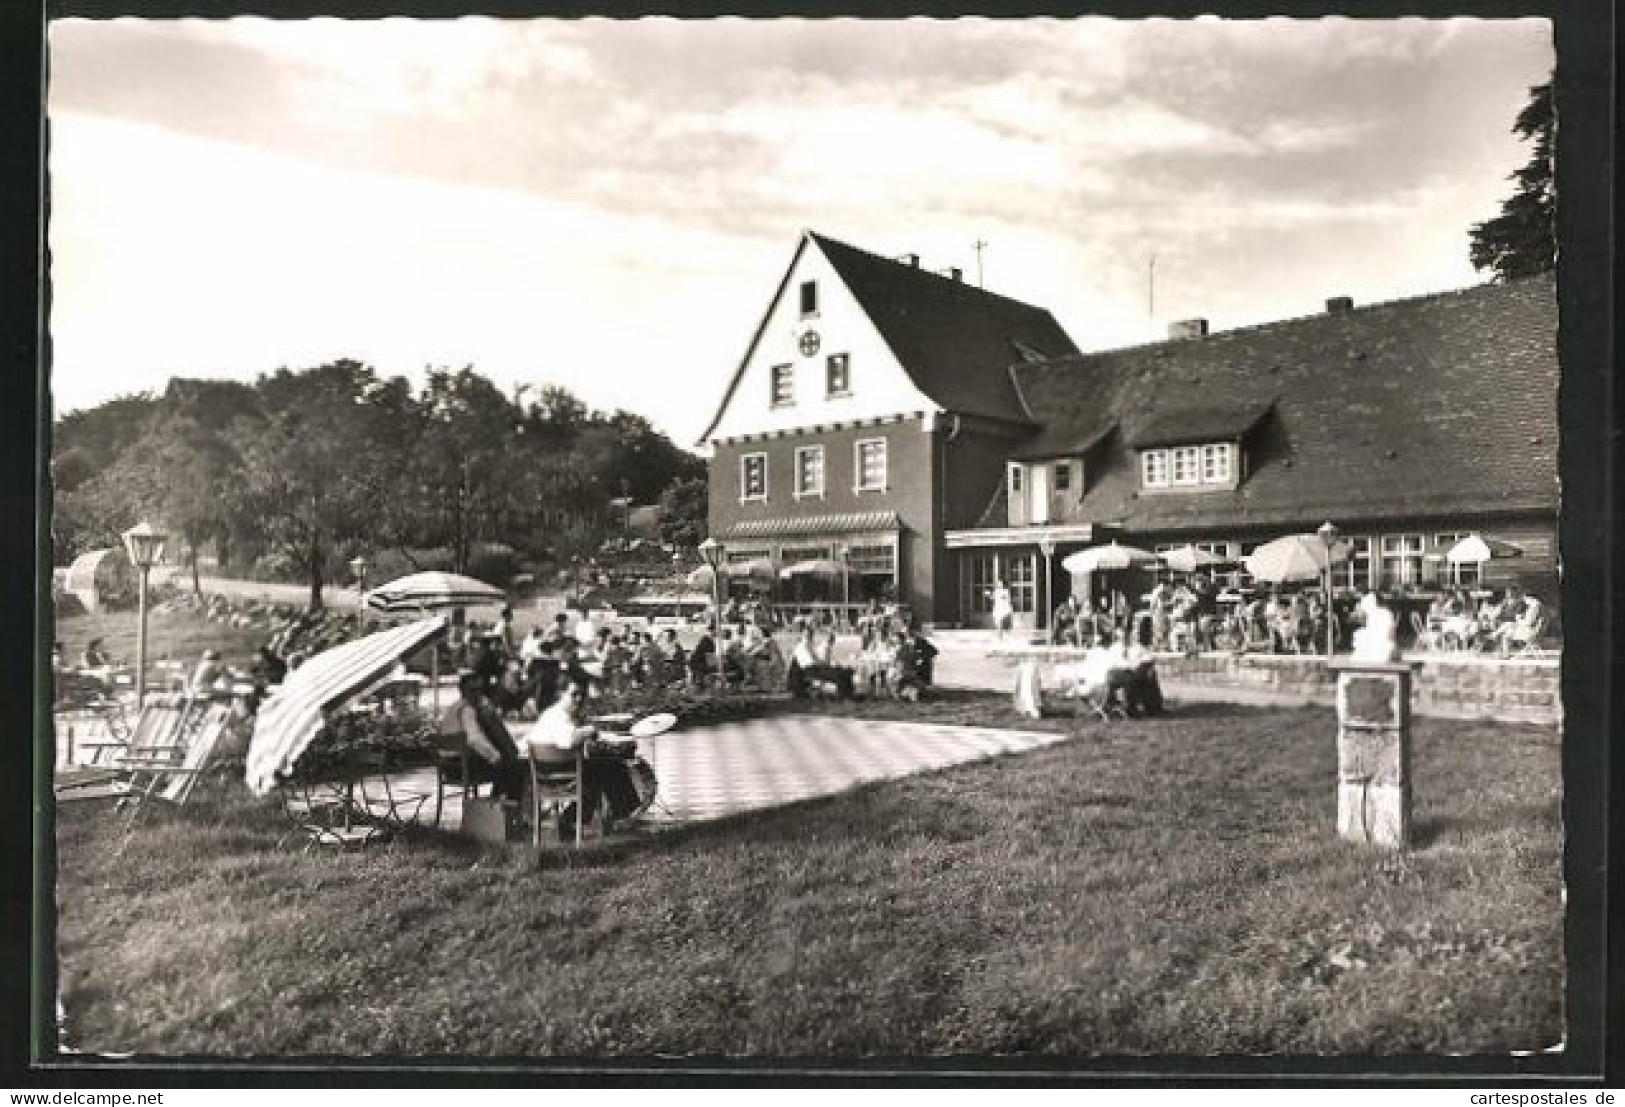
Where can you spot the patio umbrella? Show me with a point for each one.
(431, 591)
(702, 579)
(815, 567)
(757, 568)
(296, 712)
(1188, 559)
(1295, 557)
(1098, 559)
(1475, 550)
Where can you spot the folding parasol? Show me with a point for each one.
(296, 713)
(1189, 559)
(1106, 558)
(1295, 557)
(1474, 550)
(432, 591)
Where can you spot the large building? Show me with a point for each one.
(949, 437)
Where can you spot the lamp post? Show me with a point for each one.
(358, 567)
(712, 552)
(145, 545)
(1328, 534)
(1046, 546)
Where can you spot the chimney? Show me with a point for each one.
(912, 260)
(1188, 328)
(1337, 305)
(955, 273)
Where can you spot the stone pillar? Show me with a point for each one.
(1374, 752)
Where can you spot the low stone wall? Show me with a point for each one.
(1464, 687)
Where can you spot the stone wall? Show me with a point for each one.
(1525, 691)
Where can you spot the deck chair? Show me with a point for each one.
(158, 736)
(553, 786)
(170, 774)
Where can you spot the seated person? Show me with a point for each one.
(810, 662)
(1523, 625)
(763, 662)
(671, 656)
(210, 673)
(606, 779)
(542, 676)
(95, 657)
(925, 655)
(733, 657)
(702, 660)
(493, 754)
(573, 672)
(268, 668)
(876, 660)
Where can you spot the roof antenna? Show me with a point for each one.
(979, 246)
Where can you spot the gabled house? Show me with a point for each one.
(872, 409)
(1407, 424)
(940, 437)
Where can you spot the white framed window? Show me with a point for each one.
(1154, 468)
(869, 465)
(1216, 464)
(1015, 480)
(1185, 465)
(1354, 573)
(872, 560)
(783, 385)
(838, 375)
(1063, 476)
(1402, 559)
(753, 476)
(809, 471)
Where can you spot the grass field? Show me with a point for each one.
(1163, 886)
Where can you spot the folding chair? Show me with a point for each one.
(170, 775)
(553, 786)
(1425, 636)
(324, 813)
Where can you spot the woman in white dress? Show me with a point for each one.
(1003, 612)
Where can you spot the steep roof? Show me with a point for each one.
(1439, 403)
(955, 341)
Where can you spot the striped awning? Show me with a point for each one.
(296, 712)
(849, 522)
(429, 591)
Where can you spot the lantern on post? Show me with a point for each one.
(1327, 532)
(358, 568)
(145, 545)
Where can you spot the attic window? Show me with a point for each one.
(783, 385)
(1212, 463)
(809, 298)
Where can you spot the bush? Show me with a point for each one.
(396, 737)
(494, 563)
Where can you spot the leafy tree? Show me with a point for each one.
(1521, 241)
(683, 508)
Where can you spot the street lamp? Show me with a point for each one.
(359, 566)
(1046, 546)
(1328, 534)
(712, 553)
(146, 548)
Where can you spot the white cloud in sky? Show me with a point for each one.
(608, 205)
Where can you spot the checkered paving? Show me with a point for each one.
(715, 771)
(730, 768)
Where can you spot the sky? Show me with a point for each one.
(608, 206)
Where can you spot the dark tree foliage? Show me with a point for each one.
(683, 510)
(1521, 241)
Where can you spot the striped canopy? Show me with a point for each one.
(429, 591)
(296, 713)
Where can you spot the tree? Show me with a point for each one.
(1521, 241)
(683, 507)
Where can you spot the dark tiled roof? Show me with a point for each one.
(1218, 422)
(956, 341)
(1441, 404)
(849, 522)
(1064, 440)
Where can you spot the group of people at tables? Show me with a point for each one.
(1499, 625)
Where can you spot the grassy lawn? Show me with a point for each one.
(1165, 886)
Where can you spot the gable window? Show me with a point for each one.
(809, 298)
(870, 465)
(753, 476)
(783, 386)
(1063, 477)
(809, 471)
(838, 375)
(1188, 466)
